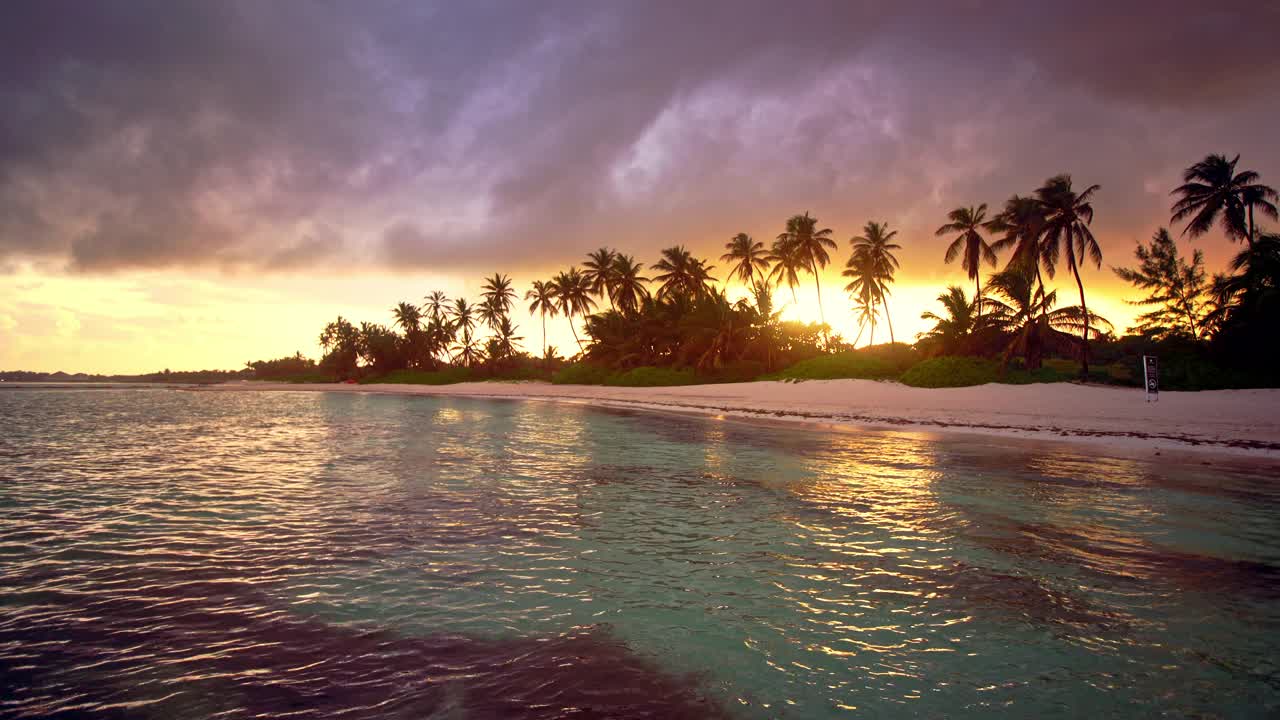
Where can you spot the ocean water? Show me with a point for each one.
(176, 554)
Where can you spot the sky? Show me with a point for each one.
(195, 185)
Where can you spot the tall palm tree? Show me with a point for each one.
(437, 304)
(499, 292)
(1021, 223)
(1066, 232)
(408, 316)
(629, 285)
(747, 258)
(970, 246)
(600, 272)
(788, 262)
(811, 244)
(683, 276)
(876, 246)
(573, 292)
(542, 300)
(439, 334)
(490, 312)
(1212, 188)
(462, 316)
(866, 288)
(866, 311)
(504, 341)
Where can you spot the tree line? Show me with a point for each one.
(675, 311)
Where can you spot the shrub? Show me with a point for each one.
(447, 376)
(950, 371)
(581, 374)
(740, 371)
(652, 377)
(857, 365)
(898, 356)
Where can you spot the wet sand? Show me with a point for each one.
(1239, 422)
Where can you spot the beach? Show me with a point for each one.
(1238, 422)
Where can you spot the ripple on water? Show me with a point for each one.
(172, 554)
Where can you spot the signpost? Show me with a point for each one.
(1151, 377)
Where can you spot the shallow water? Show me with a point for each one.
(176, 554)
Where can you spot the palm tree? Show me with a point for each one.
(629, 289)
(866, 311)
(439, 335)
(747, 258)
(1019, 307)
(504, 341)
(1066, 232)
(876, 247)
(573, 292)
(810, 245)
(969, 245)
(1022, 224)
(1247, 299)
(683, 276)
(408, 316)
(542, 300)
(437, 304)
(788, 263)
(463, 316)
(490, 312)
(600, 271)
(499, 293)
(960, 320)
(866, 289)
(467, 350)
(1212, 188)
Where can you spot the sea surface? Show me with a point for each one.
(176, 554)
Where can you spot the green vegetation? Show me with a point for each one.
(652, 377)
(446, 376)
(952, 372)
(679, 326)
(581, 374)
(852, 365)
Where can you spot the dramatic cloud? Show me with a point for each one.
(400, 135)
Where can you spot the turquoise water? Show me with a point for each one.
(166, 553)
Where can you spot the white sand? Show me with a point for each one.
(1240, 422)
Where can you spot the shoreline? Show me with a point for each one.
(1243, 424)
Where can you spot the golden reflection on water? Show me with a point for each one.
(715, 446)
(885, 482)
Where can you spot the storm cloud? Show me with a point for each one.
(402, 135)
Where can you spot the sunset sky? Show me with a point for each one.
(197, 184)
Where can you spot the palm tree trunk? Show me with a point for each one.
(1251, 231)
(872, 340)
(887, 319)
(1044, 310)
(818, 286)
(544, 334)
(1084, 338)
(861, 327)
(574, 328)
(977, 296)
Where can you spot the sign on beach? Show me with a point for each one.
(1151, 377)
